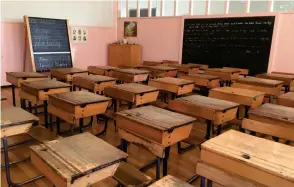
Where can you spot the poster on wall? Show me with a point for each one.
(79, 35)
(130, 29)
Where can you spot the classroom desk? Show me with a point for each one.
(272, 88)
(283, 73)
(93, 83)
(155, 129)
(205, 82)
(16, 78)
(215, 111)
(73, 106)
(153, 63)
(248, 98)
(38, 91)
(243, 72)
(276, 118)
(185, 68)
(226, 75)
(172, 85)
(170, 181)
(239, 159)
(286, 99)
(130, 75)
(67, 74)
(101, 70)
(288, 80)
(77, 161)
(14, 121)
(202, 66)
(160, 71)
(134, 94)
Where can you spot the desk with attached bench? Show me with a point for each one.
(160, 71)
(226, 75)
(155, 129)
(16, 78)
(101, 70)
(238, 159)
(130, 75)
(67, 74)
(287, 80)
(286, 99)
(37, 92)
(184, 69)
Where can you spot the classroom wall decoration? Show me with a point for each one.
(49, 44)
(130, 29)
(79, 35)
(240, 42)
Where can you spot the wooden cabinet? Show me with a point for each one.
(124, 55)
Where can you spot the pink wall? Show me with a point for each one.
(161, 38)
(94, 52)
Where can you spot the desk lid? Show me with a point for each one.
(134, 88)
(208, 102)
(132, 71)
(27, 74)
(170, 181)
(172, 80)
(45, 84)
(103, 67)
(157, 118)
(239, 91)
(79, 97)
(259, 81)
(69, 70)
(95, 78)
(202, 75)
(16, 116)
(265, 155)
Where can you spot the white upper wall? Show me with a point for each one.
(86, 13)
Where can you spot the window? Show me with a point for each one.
(156, 7)
(122, 8)
(199, 7)
(168, 7)
(183, 7)
(283, 6)
(143, 4)
(237, 6)
(258, 6)
(217, 7)
(132, 8)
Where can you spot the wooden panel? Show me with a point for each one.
(186, 68)
(16, 78)
(15, 130)
(69, 117)
(238, 95)
(222, 177)
(267, 90)
(280, 131)
(224, 74)
(286, 99)
(242, 71)
(101, 70)
(260, 82)
(164, 86)
(264, 159)
(130, 75)
(287, 79)
(174, 85)
(33, 99)
(129, 55)
(203, 80)
(170, 181)
(146, 97)
(67, 74)
(116, 93)
(93, 82)
(16, 116)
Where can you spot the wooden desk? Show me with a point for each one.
(101, 70)
(288, 80)
(152, 63)
(93, 83)
(72, 106)
(271, 88)
(38, 91)
(67, 74)
(215, 111)
(170, 181)
(249, 158)
(77, 161)
(242, 71)
(155, 129)
(286, 99)
(130, 75)
(16, 78)
(205, 82)
(160, 71)
(279, 119)
(283, 73)
(173, 85)
(14, 121)
(202, 66)
(185, 68)
(226, 75)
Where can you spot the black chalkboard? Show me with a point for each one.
(233, 42)
(50, 43)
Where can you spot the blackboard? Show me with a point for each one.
(49, 40)
(232, 42)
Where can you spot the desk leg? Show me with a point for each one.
(7, 168)
(192, 179)
(202, 182)
(209, 183)
(36, 109)
(50, 121)
(208, 129)
(124, 145)
(158, 161)
(287, 88)
(81, 125)
(276, 139)
(13, 94)
(30, 107)
(58, 125)
(165, 161)
(103, 132)
(114, 110)
(46, 113)
(219, 130)
(185, 149)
